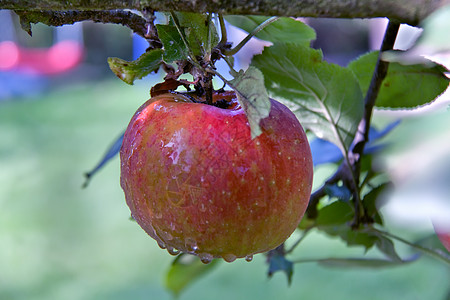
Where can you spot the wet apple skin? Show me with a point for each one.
(195, 180)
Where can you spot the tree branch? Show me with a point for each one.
(403, 11)
(59, 18)
(362, 135)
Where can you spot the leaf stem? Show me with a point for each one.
(249, 36)
(441, 256)
(305, 232)
(223, 31)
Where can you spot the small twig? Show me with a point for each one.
(362, 134)
(381, 68)
(249, 36)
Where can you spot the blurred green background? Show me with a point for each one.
(59, 241)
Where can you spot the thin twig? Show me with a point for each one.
(362, 134)
(381, 69)
(249, 36)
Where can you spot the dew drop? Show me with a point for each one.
(191, 244)
(161, 244)
(206, 258)
(249, 258)
(229, 257)
(173, 251)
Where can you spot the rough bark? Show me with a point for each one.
(404, 11)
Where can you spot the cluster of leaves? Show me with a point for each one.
(330, 101)
(327, 98)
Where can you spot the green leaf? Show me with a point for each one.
(353, 237)
(372, 263)
(199, 34)
(336, 213)
(386, 246)
(185, 269)
(372, 203)
(129, 71)
(405, 86)
(201, 38)
(252, 96)
(284, 29)
(174, 48)
(326, 98)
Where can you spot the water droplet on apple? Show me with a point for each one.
(173, 251)
(191, 244)
(161, 245)
(229, 257)
(206, 258)
(249, 258)
(152, 233)
(202, 207)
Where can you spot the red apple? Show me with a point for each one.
(443, 234)
(197, 182)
